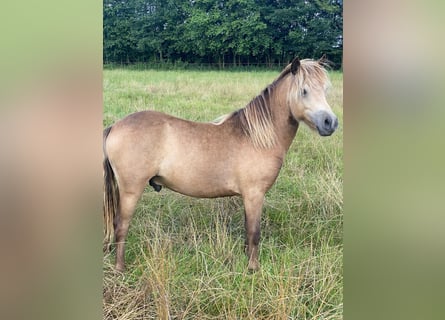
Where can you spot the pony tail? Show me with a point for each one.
(111, 198)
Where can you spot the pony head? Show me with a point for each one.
(307, 97)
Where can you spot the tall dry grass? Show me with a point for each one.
(185, 256)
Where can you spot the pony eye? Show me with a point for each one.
(304, 92)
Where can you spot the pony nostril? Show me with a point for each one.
(327, 123)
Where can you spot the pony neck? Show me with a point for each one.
(285, 124)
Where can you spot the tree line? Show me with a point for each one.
(222, 32)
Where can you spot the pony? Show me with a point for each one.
(240, 154)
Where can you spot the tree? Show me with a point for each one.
(119, 35)
(303, 28)
(242, 31)
(246, 30)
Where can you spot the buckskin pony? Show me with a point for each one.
(239, 155)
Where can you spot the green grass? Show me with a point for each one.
(185, 256)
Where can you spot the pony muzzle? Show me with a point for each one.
(325, 122)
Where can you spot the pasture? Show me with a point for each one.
(185, 256)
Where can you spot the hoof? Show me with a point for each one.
(253, 266)
(120, 268)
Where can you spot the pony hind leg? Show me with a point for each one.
(253, 205)
(127, 206)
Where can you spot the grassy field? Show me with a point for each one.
(185, 256)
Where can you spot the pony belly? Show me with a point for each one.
(198, 188)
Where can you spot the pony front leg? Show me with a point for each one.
(253, 205)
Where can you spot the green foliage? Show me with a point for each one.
(185, 256)
(239, 32)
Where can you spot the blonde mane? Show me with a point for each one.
(256, 120)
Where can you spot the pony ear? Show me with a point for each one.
(295, 65)
(323, 59)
